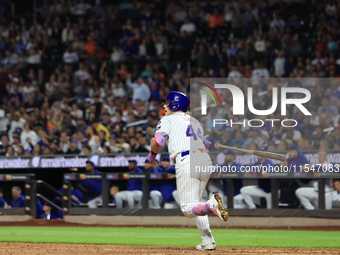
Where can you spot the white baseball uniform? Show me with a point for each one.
(336, 196)
(186, 148)
(309, 197)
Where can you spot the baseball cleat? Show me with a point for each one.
(206, 247)
(217, 207)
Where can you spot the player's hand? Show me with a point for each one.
(151, 157)
(206, 142)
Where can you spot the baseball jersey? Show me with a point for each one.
(167, 186)
(2, 202)
(336, 195)
(183, 131)
(135, 184)
(153, 184)
(39, 208)
(264, 183)
(74, 192)
(93, 187)
(17, 203)
(300, 160)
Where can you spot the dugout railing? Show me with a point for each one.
(275, 178)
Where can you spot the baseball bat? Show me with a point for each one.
(265, 154)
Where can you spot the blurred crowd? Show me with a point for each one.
(85, 77)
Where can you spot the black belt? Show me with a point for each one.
(184, 153)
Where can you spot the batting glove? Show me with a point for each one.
(206, 142)
(151, 157)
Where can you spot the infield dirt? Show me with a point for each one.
(66, 249)
(7, 248)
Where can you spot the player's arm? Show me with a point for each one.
(155, 147)
(157, 143)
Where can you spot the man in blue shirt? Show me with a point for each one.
(134, 189)
(93, 187)
(263, 188)
(140, 90)
(47, 212)
(167, 187)
(3, 203)
(297, 159)
(18, 199)
(155, 194)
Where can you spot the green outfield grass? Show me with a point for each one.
(171, 236)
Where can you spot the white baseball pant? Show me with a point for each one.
(156, 199)
(93, 203)
(253, 190)
(130, 197)
(191, 186)
(309, 198)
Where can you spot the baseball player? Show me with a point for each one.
(263, 188)
(230, 157)
(167, 187)
(134, 191)
(18, 199)
(183, 135)
(3, 203)
(336, 192)
(93, 187)
(288, 187)
(155, 194)
(308, 196)
(297, 158)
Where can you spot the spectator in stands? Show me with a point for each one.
(18, 200)
(254, 138)
(46, 38)
(136, 147)
(140, 90)
(216, 19)
(326, 105)
(28, 137)
(123, 145)
(73, 147)
(87, 150)
(70, 56)
(17, 122)
(188, 27)
(93, 139)
(3, 122)
(239, 140)
(100, 127)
